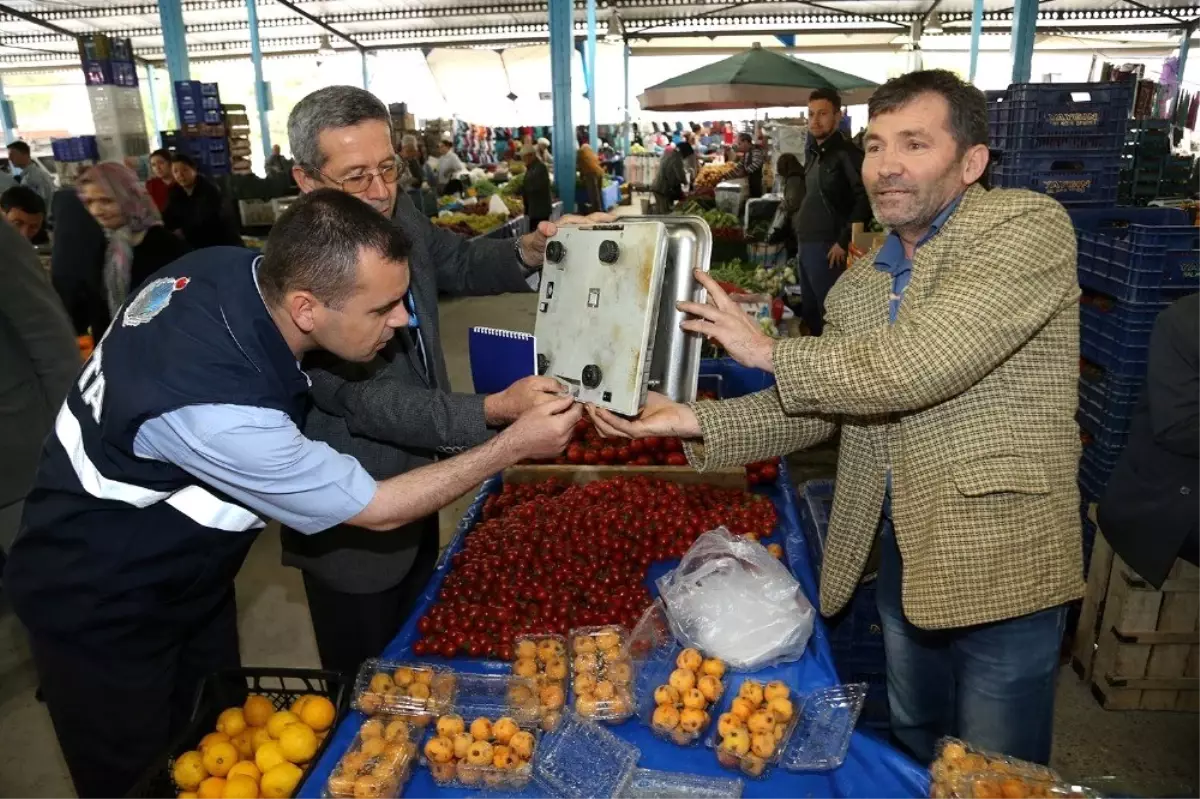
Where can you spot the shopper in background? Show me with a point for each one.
(38, 360)
(535, 189)
(138, 244)
(33, 174)
(277, 164)
(24, 210)
(950, 367)
(77, 264)
(196, 209)
(591, 178)
(161, 179)
(175, 445)
(413, 174)
(544, 154)
(450, 168)
(791, 172)
(750, 164)
(834, 200)
(7, 181)
(1151, 507)
(395, 412)
(671, 180)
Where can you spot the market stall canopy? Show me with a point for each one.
(757, 78)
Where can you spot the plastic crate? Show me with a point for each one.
(1061, 116)
(1138, 254)
(736, 380)
(1108, 432)
(1095, 466)
(1074, 178)
(1108, 396)
(1119, 320)
(816, 501)
(1122, 355)
(230, 688)
(876, 714)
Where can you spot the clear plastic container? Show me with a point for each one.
(481, 765)
(675, 706)
(410, 689)
(759, 746)
(998, 785)
(650, 784)
(377, 763)
(822, 735)
(495, 695)
(957, 758)
(583, 760)
(544, 657)
(602, 673)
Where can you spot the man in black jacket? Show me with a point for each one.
(834, 200)
(1149, 511)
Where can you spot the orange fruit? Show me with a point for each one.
(231, 721)
(189, 771)
(211, 788)
(244, 742)
(240, 788)
(219, 758)
(212, 738)
(281, 781)
(260, 737)
(280, 720)
(318, 713)
(298, 743)
(258, 710)
(268, 756)
(245, 768)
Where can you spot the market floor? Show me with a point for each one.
(1119, 753)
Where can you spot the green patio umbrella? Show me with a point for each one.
(756, 78)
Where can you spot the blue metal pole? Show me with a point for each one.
(366, 70)
(976, 31)
(625, 135)
(591, 74)
(170, 15)
(1024, 29)
(1185, 44)
(260, 88)
(562, 24)
(5, 117)
(150, 81)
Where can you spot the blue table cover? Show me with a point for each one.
(872, 767)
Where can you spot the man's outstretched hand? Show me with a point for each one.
(723, 320)
(660, 417)
(533, 244)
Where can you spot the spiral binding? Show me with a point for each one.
(491, 331)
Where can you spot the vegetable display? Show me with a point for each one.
(711, 174)
(754, 279)
(469, 224)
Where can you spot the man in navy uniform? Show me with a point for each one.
(178, 440)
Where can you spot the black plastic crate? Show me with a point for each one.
(1074, 178)
(229, 688)
(1061, 116)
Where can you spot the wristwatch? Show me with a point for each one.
(520, 260)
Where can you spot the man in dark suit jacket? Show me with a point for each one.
(397, 412)
(535, 190)
(1150, 509)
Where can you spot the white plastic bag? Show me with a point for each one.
(733, 600)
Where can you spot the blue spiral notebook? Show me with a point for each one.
(500, 358)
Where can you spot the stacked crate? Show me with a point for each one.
(1061, 139)
(1133, 262)
(202, 125)
(1149, 170)
(237, 123)
(115, 99)
(856, 633)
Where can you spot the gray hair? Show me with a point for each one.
(327, 109)
(408, 140)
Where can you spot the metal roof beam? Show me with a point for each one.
(50, 26)
(321, 23)
(1160, 11)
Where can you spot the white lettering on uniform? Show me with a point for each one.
(91, 385)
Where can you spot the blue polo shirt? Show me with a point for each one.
(891, 259)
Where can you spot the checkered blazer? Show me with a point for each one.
(969, 397)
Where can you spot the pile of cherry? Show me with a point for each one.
(547, 558)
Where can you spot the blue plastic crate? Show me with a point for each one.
(1074, 178)
(857, 631)
(736, 380)
(816, 502)
(1119, 320)
(1061, 116)
(1108, 396)
(1095, 466)
(1124, 356)
(875, 713)
(1138, 254)
(1108, 432)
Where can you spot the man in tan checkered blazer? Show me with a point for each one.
(949, 363)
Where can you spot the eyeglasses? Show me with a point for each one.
(357, 184)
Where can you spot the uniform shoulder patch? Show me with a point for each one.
(152, 300)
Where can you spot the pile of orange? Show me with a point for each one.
(255, 751)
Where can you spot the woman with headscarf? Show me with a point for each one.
(543, 153)
(138, 244)
(791, 172)
(591, 177)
